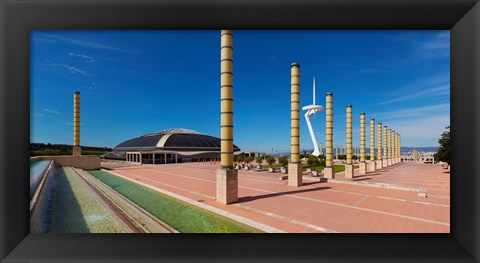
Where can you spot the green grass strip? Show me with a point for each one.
(185, 218)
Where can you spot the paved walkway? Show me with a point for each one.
(316, 206)
(431, 177)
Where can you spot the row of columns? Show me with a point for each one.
(391, 146)
(137, 157)
(342, 150)
(133, 157)
(227, 177)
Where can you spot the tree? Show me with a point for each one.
(283, 161)
(249, 159)
(259, 160)
(241, 159)
(270, 160)
(443, 153)
(313, 162)
(322, 159)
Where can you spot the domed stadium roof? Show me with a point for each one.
(177, 139)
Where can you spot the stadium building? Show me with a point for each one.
(170, 146)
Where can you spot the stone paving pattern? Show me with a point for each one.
(317, 207)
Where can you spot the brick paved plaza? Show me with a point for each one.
(316, 207)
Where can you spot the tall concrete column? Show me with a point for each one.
(77, 150)
(336, 153)
(349, 165)
(389, 147)
(379, 162)
(392, 143)
(363, 164)
(399, 147)
(394, 148)
(295, 167)
(371, 164)
(385, 155)
(328, 171)
(321, 148)
(227, 177)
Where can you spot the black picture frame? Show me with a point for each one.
(19, 17)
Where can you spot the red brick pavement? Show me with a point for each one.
(317, 207)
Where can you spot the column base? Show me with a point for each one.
(372, 166)
(379, 164)
(363, 168)
(329, 173)
(348, 170)
(227, 186)
(384, 163)
(389, 162)
(77, 151)
(295, 174)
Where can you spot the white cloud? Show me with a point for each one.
(52, 111)
(440, 41)
(69, 68)
(441, 90)
(88, 59)
(73, 69)
(84, 43)
(374, 70)
(416, 112)
(426, 127)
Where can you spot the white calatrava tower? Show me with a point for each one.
(312, 109)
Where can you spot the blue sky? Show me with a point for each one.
(138, 82)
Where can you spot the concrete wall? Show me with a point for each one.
(83, 162)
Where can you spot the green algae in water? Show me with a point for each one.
(184, 217)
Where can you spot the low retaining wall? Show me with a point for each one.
(84, 162)
(420, 190)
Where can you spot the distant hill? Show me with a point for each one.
(404, 149)
(37, 149)
(420, 149)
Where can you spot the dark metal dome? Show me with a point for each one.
(173, 140)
